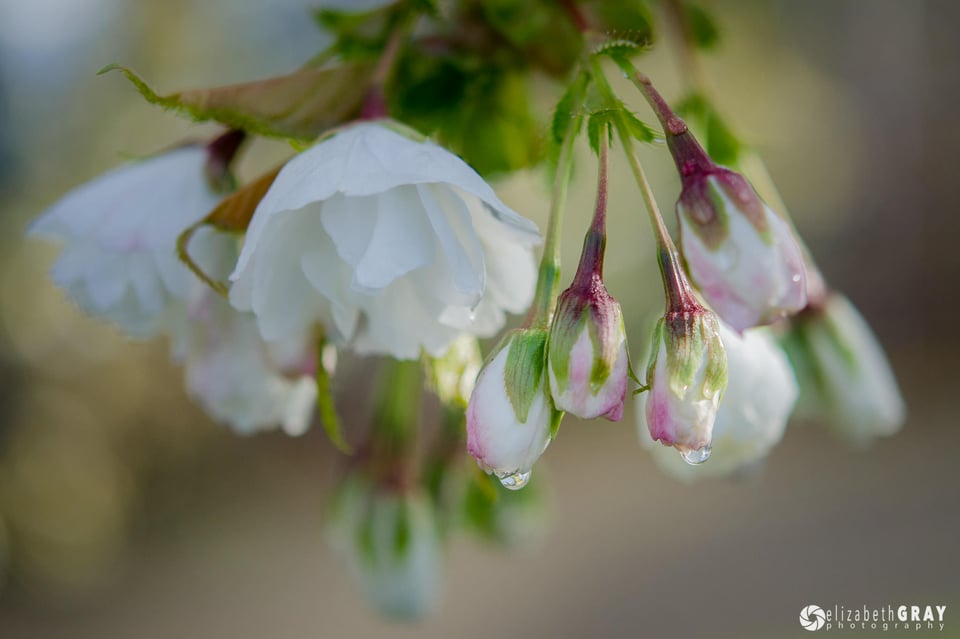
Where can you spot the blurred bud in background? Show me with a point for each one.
(388, 537)
(845, 379)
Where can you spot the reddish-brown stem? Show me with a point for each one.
(590, 268)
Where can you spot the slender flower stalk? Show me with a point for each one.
(545, 298)
(375, 102)
(676, 286)
(587, 347)
(396, 421)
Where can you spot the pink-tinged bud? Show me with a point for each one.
(845, 379)
(510, 417)
(741, 255)
(587, 354)
(686, 376)
(760, 395)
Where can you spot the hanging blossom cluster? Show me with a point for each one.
(374, 240)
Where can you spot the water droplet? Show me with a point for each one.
(696, 456)
(796, 277)
(514, 481)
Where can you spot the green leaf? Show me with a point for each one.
(300, 105)
(358, 34)
(703, 29)
(570, 105)
(524, 373)
(601, 122)
(639, 129)
(623, 20)
(540, 30)
(483, 115)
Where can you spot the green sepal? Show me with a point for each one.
(605, 328)
(655, 338)
(685, 350)
(523, 376)
(300, 105)
(556, 416)
(715, 375)
(565, 328)
(693, 342)
(727, 201)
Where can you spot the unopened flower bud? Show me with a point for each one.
(388, 536)
(845, 378)
(510, 414)
(686, 376)
(587, 353)
(752, 417)
(740, 254)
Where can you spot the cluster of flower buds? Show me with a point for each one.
(572, 358)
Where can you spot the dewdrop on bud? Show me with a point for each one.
(760, 395)
(510, 417)
(686, 376)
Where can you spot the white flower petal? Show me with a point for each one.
(375, 236)
(119, 233)
(401, 241)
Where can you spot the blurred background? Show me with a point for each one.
(125, 512)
